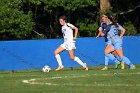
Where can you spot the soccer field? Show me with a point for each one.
(69, 80)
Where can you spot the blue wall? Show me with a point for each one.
(31, 54)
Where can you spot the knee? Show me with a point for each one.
(105, 52)
(55, 52)
(72, 57)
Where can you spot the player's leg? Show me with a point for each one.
(77, 59)
(128, 62)
(121, 62)
(58, 58)
(125, 59)
(108, 56)
(117, 64)
(106, 63)
(118, 48)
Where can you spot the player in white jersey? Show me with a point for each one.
(69, 43)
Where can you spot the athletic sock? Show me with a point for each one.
(79, 61)
(126, 60)
(106, 60)
(111, 57)
(118, 58)
(58, 58)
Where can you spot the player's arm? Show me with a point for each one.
(75, 33)
(122, 33)
(100, 32)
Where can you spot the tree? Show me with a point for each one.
(14, 23)
(65, 7)
(104, 6)
(33, 19)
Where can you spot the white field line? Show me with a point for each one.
(96, 74)
(35, 82)
(39, 82)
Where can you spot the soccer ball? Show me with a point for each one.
(46, 69)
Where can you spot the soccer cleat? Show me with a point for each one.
(122, 65)
(117, 64)
(105, 68)
(132, 67)
(85, 67)
(59, 68)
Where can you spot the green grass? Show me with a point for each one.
(71, 81)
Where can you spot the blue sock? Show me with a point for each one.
(112, 58)
(118, 58)
(126, 61)
(106, 60)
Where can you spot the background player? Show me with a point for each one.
(103, 29)
(115, 43)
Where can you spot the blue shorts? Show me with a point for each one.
(117, 45)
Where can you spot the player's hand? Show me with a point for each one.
(97, 36)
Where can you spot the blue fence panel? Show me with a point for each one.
(31, 54)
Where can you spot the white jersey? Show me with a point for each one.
(68, 32)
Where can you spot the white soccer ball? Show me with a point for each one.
(46, 69)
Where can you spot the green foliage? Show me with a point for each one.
(68, 5)
(87, 29)
(18, 17)
(35, 2)
(130, 29)
(121, 5)
(11, 3)
(14, 24)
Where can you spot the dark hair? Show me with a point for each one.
(114, 20)
(107, 15)
(63, 17)
(115, 23)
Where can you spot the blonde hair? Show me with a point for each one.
(104, 16)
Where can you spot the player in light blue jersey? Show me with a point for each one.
(115, 43)
(103, 30)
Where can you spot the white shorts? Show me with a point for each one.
(68, 45)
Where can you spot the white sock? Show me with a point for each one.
(79, 61)
(58, 58)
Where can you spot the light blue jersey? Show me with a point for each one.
(113, 38)
(116, 42)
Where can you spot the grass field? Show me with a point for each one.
(69, 80)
